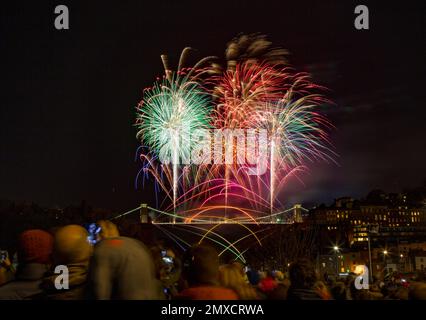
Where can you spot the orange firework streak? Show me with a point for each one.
(188, 220)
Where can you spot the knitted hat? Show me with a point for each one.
(35, 246)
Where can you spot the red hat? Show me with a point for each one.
(35, 246)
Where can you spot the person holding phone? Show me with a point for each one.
(7, 271)
(34, 256)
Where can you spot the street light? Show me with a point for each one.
(402, 262)
(385, 253)
(336, 251)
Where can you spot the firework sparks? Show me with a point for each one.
(256, 90)
(167, 116)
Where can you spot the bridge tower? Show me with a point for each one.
(297, 213)
(143, 213)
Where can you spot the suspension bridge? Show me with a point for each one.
(148, 214)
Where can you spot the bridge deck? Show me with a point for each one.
(218, 222)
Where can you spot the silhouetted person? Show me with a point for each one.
(417, 292)
(34, 256)
(201, 272)
(268, 283)
(339, 291)
(232, 276)
(122, 268)
(302, 278)
(73, 250)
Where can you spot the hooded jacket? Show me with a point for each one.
(77, 283)
(122, 268)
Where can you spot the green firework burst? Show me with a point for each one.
(169, 113)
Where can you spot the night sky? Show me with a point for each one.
(68, 97)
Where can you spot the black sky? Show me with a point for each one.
(68, 97)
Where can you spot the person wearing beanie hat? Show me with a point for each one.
(201, 271)
(34, 256)
(73, 250)
(35, 246)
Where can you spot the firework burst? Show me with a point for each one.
(256, 90)
(172, 110)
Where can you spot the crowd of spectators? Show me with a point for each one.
(122, 267)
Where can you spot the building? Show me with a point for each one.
(419, 260)
(353, 219)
